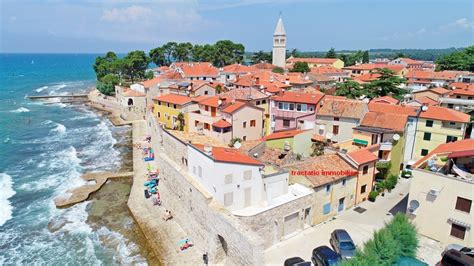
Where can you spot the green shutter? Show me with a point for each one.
(361, 142)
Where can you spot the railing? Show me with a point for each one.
(386, 146)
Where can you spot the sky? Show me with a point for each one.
(86, 26)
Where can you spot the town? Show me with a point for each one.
(295, 160)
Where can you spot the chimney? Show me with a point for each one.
(287, 81)
(208, 150)
(257, 80)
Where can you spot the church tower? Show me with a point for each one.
(279, 44)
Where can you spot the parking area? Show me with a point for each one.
(359, 225)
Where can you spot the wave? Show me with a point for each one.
(6, 187)
(41, 89)
(20, 110)
(128, 253)
(60, 128)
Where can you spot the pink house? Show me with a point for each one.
(294, 110)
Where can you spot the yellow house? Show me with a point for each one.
(166, 108)
(365, 162)
(438, 125)
(296, 140)
(317, 62)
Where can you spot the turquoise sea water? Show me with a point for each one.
(44, 148)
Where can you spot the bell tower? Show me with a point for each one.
(279, 44)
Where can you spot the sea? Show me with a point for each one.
(45, 146)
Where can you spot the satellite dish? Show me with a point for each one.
(329, 135)
(424, 108)
(396, 137)
(456, 108)
(219, 102)
(413, 205)
(237, 145)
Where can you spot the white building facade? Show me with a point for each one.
(279, 44)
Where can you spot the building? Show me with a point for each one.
(442, 191)
(337, 116)
(364, 161)
(293, 110)
(407, 63)
(279, 44)
(461, 98)
(231, 72)
(316, 62)
(437, 125)
(333, 181)
(225, 119)
(385, 99)
(296, 140)
(334, 73)
(167, 109)
(196, 70)
(432, 93)
(362, 69)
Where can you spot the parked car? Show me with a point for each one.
(325, 256)
(296, 261)
(460, 248)
(342, 243)
(453, 257)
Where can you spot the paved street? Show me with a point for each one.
(359, 225)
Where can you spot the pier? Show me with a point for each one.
(69, 98)
(94, 182)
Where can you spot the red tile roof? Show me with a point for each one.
(228, 155)
(342, 107)
(445, 114)
(194, 69)
(427, 100)
(440, 90)
(395, 68)
(469, 91)
(319, 138)
(393, 109)
(132, 93)
(174, 99)
(151, 82)
(312, 60)
(211, 101)
(236, 68)
(362, 156)
(457, 146)
(326, 70)
(461, 85)
(367, 77)
(385, 99)
(284, 134)
(410, 61)
(395, 122)
(221, 123)
(298, 97)
(232, 107)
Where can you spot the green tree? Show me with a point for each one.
(388, 83)
(300, 67)
(183, 52)
(181, 121)
(383, 247)
(331, 53)
(203, 53)
(261, 56)
(157, 56)
(404, 233)
(458, 60)
(218, 89)
(349, 89)
(104, 65)
(365, 57)
(169, 49)
(295, 53)
(278, 70)
(227, 52)
(135, 64)
(105, 88)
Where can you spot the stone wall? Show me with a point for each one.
(210, 226)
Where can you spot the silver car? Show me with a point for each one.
(342, 243)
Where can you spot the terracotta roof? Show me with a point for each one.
(393, 109)
(201, 98)
(362, 67)
(196, 84)
(440, 90)
(319, 138)
(267, 66)
(310, 89)
(326, 70)
(284, 134)
(367, 77)
(427, 100)
(132, 93)
(236, 68)
(338, 107)
(466, 92)
(232, 107)
(335, 168)
(362, 156)
(457, 146)
(210, 101)
(433, 75)
(246, 94)
(395, 122)
(221, 123)
(445, 114)
(151, 82)
(312, 60)
(174, 99)
(196, 69)
(410, 61)
(298, 97)
(320, 77)
(385, 99)
(228, 155)
(461, 85)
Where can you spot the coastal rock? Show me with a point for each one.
(57, 223)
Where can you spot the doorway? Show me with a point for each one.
(340, 207)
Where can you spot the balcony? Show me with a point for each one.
(386, 146)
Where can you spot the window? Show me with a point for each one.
(206, 92)
(248, 174)
(264, 101)
(228, 179)
(424, 152)
(206, 126)
(328, 188)
(258, 103)
(244, 124)
(196, 123)
(429, 123)
(194, 169)
(174, 106)
(463, 205)
(253, 123)
(206, 108)
(427, 136)
(458, 231)
(159, 102)
(451, 139)
(292, 106)
(336, 118)
(228, 199)
(365, 169)
(326, 208)
(450, 105)
(343, 182)
(363, 189)
(244, 138)
(286, 123)
(280, 105)
(301, 107)
(335, 130)
(458, 97)
(159, 115)
(199, 171)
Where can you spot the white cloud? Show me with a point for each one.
(132, 13)
(462, 23)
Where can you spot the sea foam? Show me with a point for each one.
(60, 128)
(41, 89)
(6, 187)
(20, 110)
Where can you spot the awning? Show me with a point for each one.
(361, 142)
(461, 154)
(461, 223)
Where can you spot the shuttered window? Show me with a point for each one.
(458, 231)
(228, 199)
(463, 204)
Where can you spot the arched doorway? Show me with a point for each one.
(130, 102)
(221, 250)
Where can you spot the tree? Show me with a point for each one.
(105, 88)
(104, 65)
(404, 233)
(295, 53)
(157, 56)
(227, 52)
(169, 49)
(135, 64)
(349, 89)
(387, 83)
(183, 52)
(365, 57)
(203, 53)
(458, 60)
(218, 89)
(300, 67)
(261, 56)
(331, 53)
(278, 70)
(181, 121)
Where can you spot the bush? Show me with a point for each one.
(391, 182)
(406, 173)
(233, 141)
(105, 88)
(278, 70)
(373, 195)
(381, 186)
(298, 157)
